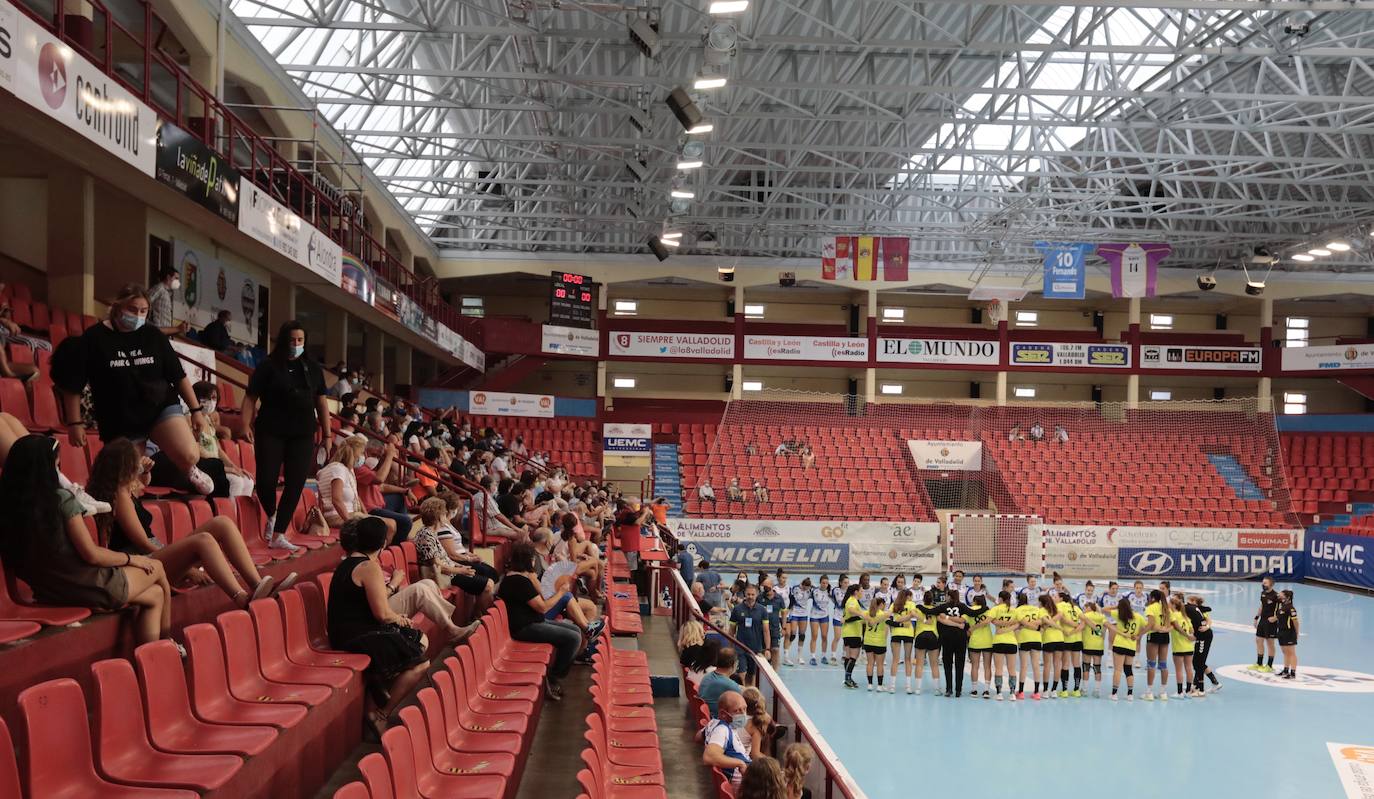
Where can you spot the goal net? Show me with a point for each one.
(995, 543)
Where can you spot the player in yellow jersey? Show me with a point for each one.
(927, 641)
(1181, 640)
(1004, 624)
(1094, 636)
(875, 638)
(1071, 621)
(1052, 644)
(1157, 645)
(1030, 619)
(1127, 626)
(852, 630)
(980, 646)
(903, 633)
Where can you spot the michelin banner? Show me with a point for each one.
(829, 545)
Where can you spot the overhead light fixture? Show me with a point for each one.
(704, 127)
(723, 7)
(683, 194)
(690, 164)
(1304, 257)
(709, 83)
(676, 234)
(686, 111)
(1338, 246)
(1254, 287)
(670, 242)
(1206, 282)
(1320, 252)
(645, 36)
(658, 247)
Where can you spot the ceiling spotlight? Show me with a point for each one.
(645, 36)
(689, 164)
(1304, 257)
(1206, 282)
(709, 83)
(1338, 246)
(656, 247)
(686, 111)
(693, 151)
(722, 7)
(705, 127)
(676, 234)
(1320, 252)
(683, 194)
(1254, 287)
(670, 242)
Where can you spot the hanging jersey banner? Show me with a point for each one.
(1135, 267)
(1065, 269)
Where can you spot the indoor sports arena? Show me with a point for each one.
(701, 399)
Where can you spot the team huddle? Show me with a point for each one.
(1044, 636)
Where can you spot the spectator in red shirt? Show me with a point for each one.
(373, 491)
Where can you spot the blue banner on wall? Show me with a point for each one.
(1345, 559)
(751, 555)
(1065, 269)
(1209, 563)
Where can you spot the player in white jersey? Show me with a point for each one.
(866, 590)
(837, 618)
(884, 590)
(799, 601)
(976, 590)
(1088, 594)
(1138, 596)
(1031, 590)
(956, 585)
(822, 609)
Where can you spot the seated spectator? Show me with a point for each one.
(519, 447)
(11, 430)
(700, 660)
(48, 546)
(808, 458)
(12, 333)
(718, 682)
(1015, 434)
(22, 371)
(1061, 434)
(760, 727)
(750, 449)
(1037, 432)
(118, 477)
(338, 485)
(493, 521)
(762, 780)
(453, 542)
(526, 607)
(760, 492)
(727, 745)
(705, 492)
(512, 503)
(362, 620)
(734, 493)
(796, 764)
(216, 334)
(240, 482)
(348, 424)
(500, 464)
(383, 499)
(783, 449)
(435, 563)
(341, 386)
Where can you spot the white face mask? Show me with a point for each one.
(176, 284)
(208, 406)
(739, 721)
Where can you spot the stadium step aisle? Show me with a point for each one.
(1235, 476)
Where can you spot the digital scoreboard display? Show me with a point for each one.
(570, 300)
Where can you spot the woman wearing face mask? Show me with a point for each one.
(285, 414)
(240, 482)
(339, 499)
(137, 386)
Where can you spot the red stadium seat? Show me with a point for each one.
(124, 752)
(51, 615)
(376, 775)
(298, 647)
(174, 728)
(9, 769)
(353, 790)
(276, 666)
(210, 695)
(461, 739)
(246, 680)
(447, 758)
(428, 782)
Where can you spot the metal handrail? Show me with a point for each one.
(836, 780)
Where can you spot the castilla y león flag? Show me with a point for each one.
(896, 257)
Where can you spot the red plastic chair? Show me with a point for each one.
(444, 760)
(468, 677)
(353, 790)
(624, 749)
(461, 739)
(210, 694)
(621, 785)
(276, 666)
(246, 680)
(298, 647)
(376, 775)
(172, 725)
(41, 614)
(412, 773)
(313, 595)
(11, 631)
(9, 769)
(58, 751)
(444, 756)
(124, 753)
(45, 413)
(14, 400)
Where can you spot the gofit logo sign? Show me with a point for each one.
(834, 533)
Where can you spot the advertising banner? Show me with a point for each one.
(194, 356)
(385, 300)
(1344, 559)
(626, 444)
(947, 456)
(1083, 536)
(1208, 563)
(896, 558)
(1228, 359)
(1090, 356)
(509, 404)
(1355, 765)
(749, 556)
(672, 345)
(187, 165)
(357, 278)
(210, 286)
(47, 74)
(1337, 356)
(1065, 271)
(560, 340)
(939, 350)
(805, 348)
(818, 531)
(277, 226)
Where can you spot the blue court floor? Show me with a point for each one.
(1257, 737)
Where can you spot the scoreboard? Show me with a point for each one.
(570, 300)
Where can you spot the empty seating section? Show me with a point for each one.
(571, 443)
(1328, 467)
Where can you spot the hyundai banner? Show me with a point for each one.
(947, 456)
(939, 351)
(1221, 359)
(1090, 356)
(671, 345)
(495, 403)
(1208, 563)
(1344, 559)
(805, 348)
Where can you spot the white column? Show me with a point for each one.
(870, 385)
(737, 381)
(1001, 388)
(1133, 311)
(1264, 392)
(1133, 391)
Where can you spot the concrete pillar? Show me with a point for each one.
(403, 368)
(1133, 311)
(601, 384)
(71, 240)
(737, 381)
(1264, 392)
(374, 359)
(281, 307)
(870, 385)
(1001, 388)
(1133, 391)
(1266, 312)
(335, 336)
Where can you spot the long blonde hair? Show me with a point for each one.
(691, 634)
(754, 706)
(348, 450)
(796, 763)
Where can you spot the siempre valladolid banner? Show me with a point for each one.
(187, 165)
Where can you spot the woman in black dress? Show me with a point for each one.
(361, 621)
(291, 421)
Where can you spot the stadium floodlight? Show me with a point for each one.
(645, 37)
(1320, 252)
(674, 234)
(670, 242)
(712, 82)
(723, 7)
(1338, 246)
(690, 164)
(704, 127)
(623, 382)
(683, 194)
(1206, 282)
(1304, 257)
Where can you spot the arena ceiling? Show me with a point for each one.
(974, 126)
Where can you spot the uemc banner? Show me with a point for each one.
(947, 456)
(560, 340)
(49, 75)
(672, 345)
(1338, 356)
(1208, 563)
(1345, 559)
(1092, 356)
(938, 350)
(805, 348)
(1228, 359)
(510, 404)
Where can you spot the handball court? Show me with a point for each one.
(1258, 737)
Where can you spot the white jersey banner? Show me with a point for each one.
(805, 348)
(672, 345)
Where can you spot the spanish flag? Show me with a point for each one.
(865, 258)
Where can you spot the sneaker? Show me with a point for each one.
(264, 589)
(1063, 694)
(1255, 667)
(1036, 696)
(998, 696)
(824, 662)
(1019, 695)
(910, 690)
(1216, 688)
(286, 582)
(918, 691)
(892, 689)
(1290, 676)
(957, 694)
(870, 686)
(1097, 693)
(90, 506)
(268, 527)
(1115, 698)
(1147, 697)
(1164, 696)
(280, 542)
(1076, 694)
(594, 629)
(1130, 697)
(464, 633)
(850, 684)
(974, 694)
(813, 661)
(201, 481)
